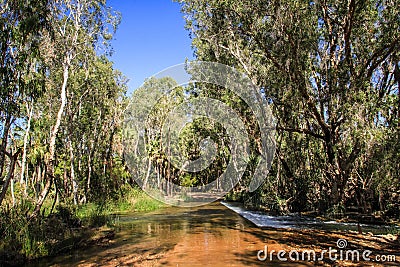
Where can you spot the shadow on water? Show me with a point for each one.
(211, 235)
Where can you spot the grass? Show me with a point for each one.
(132, 199)
(66, 228)
(25, 238)
(135, 199)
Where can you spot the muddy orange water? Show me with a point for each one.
(211, 235)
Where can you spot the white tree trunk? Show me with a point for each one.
(50, 160)
(28, 127)
(73, 178)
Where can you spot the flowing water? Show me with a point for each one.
(211, 235)
(294, 221)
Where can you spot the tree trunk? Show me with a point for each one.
(89, 175)
(10, 175)
(23, 163)
(73, 178)
(146, 179)
(3, 147)
(397, 77)
(12, 192)
(49, 176)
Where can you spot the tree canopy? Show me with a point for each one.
(330, 70)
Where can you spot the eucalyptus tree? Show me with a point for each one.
(79, 27)
(92, 124)
(144, 147)
(21, 69)
(330, 69)
(61, 100)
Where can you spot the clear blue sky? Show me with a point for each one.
(150, 38)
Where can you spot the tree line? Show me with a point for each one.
(330, 71)
(61, 102)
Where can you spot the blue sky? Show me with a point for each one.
(150, 38)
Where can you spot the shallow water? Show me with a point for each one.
(211, 235)
(264, 220)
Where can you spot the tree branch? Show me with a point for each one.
(302, 131)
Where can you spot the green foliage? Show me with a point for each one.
(134, 199)
(94, 215)
(394, 230)
(70, 136)
(337, 211)
(129, 199)
(188, 181)
(330, 72)
(393, 211)
(29, 238)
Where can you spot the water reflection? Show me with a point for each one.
(211, 235)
